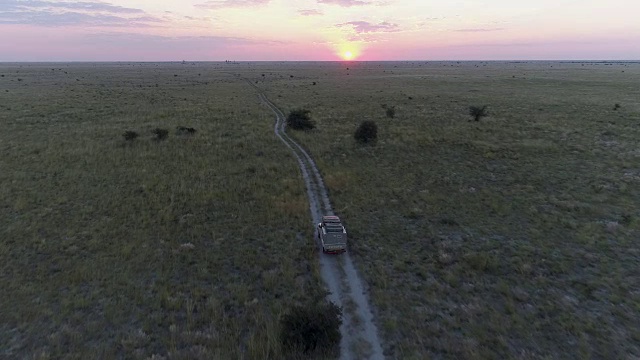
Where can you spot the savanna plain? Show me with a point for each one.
(515, 236)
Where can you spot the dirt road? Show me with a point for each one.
(359, 334)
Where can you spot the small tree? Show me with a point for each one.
(478, 112)
(160, 134)
(367, 132)
(299, 119)
(130, 135)
(312, 328)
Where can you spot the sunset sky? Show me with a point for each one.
(214, 30)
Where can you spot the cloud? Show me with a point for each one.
(311, 12)
(363, 27)
(350, 3)
(363, 31)
(13, 5)
(220, 4)
(479, 30)
(49, 13)
(45, 18)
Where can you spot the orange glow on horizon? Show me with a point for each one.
(348, 51)
(171, 30)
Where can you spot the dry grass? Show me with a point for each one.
(133, 249)
(512, 237)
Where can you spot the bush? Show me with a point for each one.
(478, 112)
(391, 112)
(299, 119)
(312, 328)
(448, 221)
(367, 132)
(160, 134)
(130, 135)
(181, 130)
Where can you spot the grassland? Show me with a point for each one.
(512, 237)
(185, 248)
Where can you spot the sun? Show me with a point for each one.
(347, 51)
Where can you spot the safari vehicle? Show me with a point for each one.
(332, 235)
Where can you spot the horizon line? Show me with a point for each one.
(325, 61)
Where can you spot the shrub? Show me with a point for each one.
(616, 107)
(299, 119)
(448, 221)
(181, 130)
(391, 112)
(367, 132)
(478, 112)
(481, 261)
(130, 135)
(311, 328)
(160, 134)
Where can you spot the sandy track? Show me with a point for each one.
(359, 334)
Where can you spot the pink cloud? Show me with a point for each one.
(24, 5)
(346, 3)
(312, 12)
(91, 14)
(220, 4)
(43, 18)
(362, 27)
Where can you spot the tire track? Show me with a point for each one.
(359, 334)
